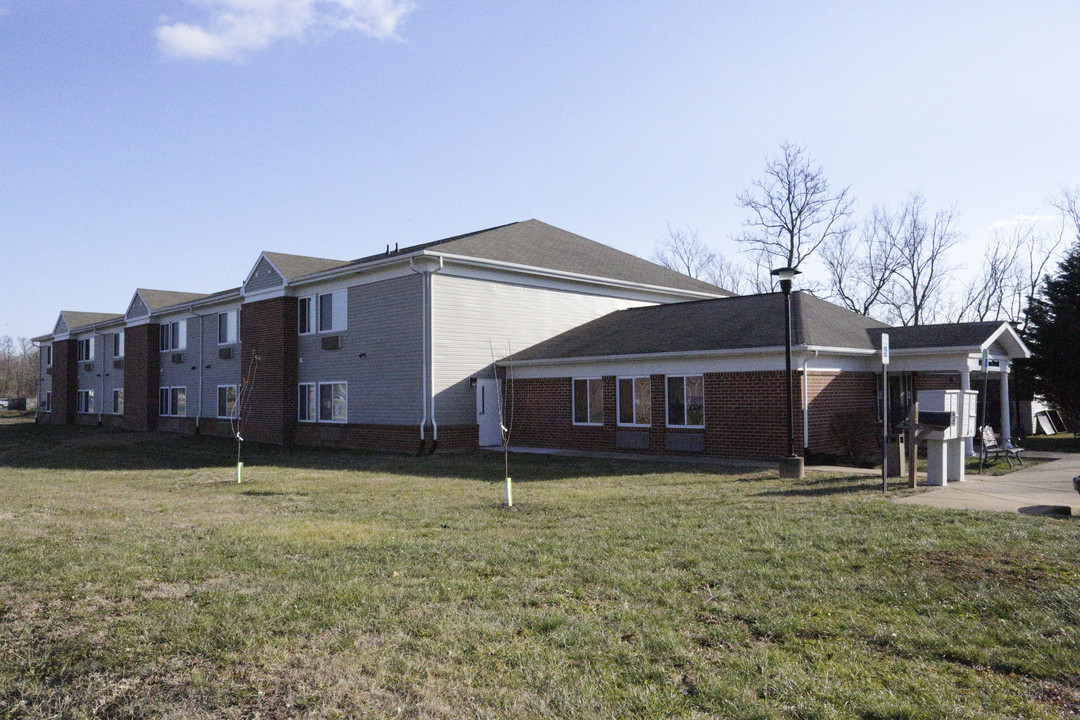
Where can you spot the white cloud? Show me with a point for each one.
(1016, 220)
(235, 27)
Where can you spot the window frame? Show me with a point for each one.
(84, 402)
(87, 356)
(588, 401)
(318, 401)
(633, 400)
(118, 393)
(305, 317)
(227, 416)
(48, 355)
(172, 333)
(313, 416)
(171, 396)
(118, 344)
(686, 405)
(48, 401)
(232, 327)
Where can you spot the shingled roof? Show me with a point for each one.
(745, 323)
(294, 266)
(76, 320)
(157, 299)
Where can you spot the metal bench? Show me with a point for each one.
(992, 448)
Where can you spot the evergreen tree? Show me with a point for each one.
(1053, 334)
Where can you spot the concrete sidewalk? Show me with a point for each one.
(1038, 490)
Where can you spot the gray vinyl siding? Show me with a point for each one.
(264, 277)
(44, 376)
(138, 308)
(219, 372)
(384, 323)
(114, 377)
(185, 374)
(91, 379)
(474, 319)
(60, 327)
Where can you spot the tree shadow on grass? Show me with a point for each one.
(826, 487)
(30, 446)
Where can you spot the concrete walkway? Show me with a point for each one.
(1039, 490)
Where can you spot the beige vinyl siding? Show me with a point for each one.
(468, 313)
(264, 277)
(385, 325)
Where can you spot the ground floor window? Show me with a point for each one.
(333, 402)
(226, 401)
(172, 401)
(48, 400)
(686, 401)
(84, 401)
(118, 401)
(588, 401)
(635, 401)
(305, 403)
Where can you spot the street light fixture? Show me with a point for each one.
(792, 465)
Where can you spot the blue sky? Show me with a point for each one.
(164, 143)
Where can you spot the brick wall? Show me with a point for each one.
(934, 381)
(142, 375)
(268, 332)
(835, 393)
(396, 438)
(65, 382)
(746, 415)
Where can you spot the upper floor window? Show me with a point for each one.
(173, 335)
(589, 401)
(323, 313)
(226, 327)
(118, 344)
(635, 401)
(47, 350)
(686, 401)
(86, 350)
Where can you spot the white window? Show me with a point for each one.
(118, 401)
(84, 401)
(305, 315)
(686, 401)
(589, 401)
(333, 308)
(118, 344)
(48, 401)
(635, 401)
(305, 403)
(173, 335)
(226, 401)
(86, 350)
(47, 349)
(226, 328)
(172, 401)
(333, 402)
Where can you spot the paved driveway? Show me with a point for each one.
(1041, 489)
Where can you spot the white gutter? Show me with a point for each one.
(202, 339)
(101, 400)
(660, 355)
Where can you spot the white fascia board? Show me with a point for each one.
(835, 350)
(43, 338)
(267, 294)
(1008, 331)
(684, 354)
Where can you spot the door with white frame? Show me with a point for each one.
(487, 411)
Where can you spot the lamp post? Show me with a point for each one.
(792, 465)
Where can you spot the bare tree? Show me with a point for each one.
(918, 288)
(18, 367)
(793, 210)
(862, 264)
(987, 295)
(683, 251)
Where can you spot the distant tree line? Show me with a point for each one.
(18, 368)
(894, 264)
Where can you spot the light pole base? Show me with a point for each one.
(792, 467)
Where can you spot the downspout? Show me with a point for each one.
(431, 347)
(806, 402)
(428, 384)
(423, 347)
(101, 400)
(202, 340)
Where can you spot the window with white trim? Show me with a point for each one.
(333, 309)
(305, 315)
(635, 401)
(84, 401)
(86, 350)
(48, 401)
(305, 402)
(227, 328)
(686, 401)
(47, 349)
(173, 336)
(333, 402)
(226, 401)
(588, 401)
(118, 344)
(172, 401)
(118, 401)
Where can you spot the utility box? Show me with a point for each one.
(897, 456)
(951, 415)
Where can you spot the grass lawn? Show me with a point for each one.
(138, 580)
(1062, 442)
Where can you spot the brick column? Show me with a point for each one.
(658, 403)
(268, 333)
(142, 376)
(65, 382)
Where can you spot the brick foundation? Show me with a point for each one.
(396, 438)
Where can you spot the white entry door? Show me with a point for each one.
(487, 411)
